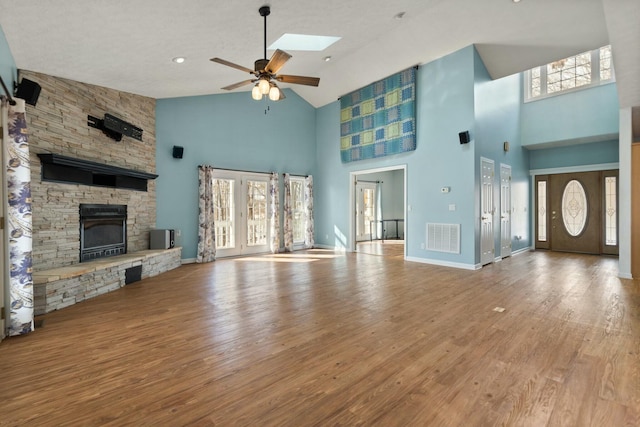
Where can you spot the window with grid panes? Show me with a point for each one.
(576, 72)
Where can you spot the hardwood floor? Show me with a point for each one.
(387, 248)
(328, 339)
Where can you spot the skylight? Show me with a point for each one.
(303, 42)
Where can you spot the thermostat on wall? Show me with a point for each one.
(445, 189)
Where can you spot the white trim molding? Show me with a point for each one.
(574, 169)
(443, 263)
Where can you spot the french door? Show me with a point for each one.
(505, 210)
(241, 215)
(365, 211)
(577, 212)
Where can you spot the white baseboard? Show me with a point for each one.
(443, 263)
(625, 276)
(519, 251)
(522, 250)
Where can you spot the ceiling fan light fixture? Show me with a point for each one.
(256, 93)
(264, 85)
(266, 71)
(274, 93)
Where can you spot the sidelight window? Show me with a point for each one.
(610, 211)
(542, 211)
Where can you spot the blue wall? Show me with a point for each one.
(444, 108)
(575, 155)
(226, 131)
(7, 64)
(585, 115)
(497, 110)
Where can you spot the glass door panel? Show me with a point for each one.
(257, 219)
(297, 210)
(224, 213)
(365, 211)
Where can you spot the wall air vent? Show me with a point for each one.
(443, 238)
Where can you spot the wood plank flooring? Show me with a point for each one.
(324, 339)
(387, 248)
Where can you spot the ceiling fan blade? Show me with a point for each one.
(239, 84)
(299, 80)
(232, 65)
(277, 60)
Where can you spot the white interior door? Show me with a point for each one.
(365, 211)
(487, 210)
(241, 213)
(505, 210)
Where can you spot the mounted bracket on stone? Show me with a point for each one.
(114, 127)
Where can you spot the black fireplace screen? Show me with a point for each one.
(103, 231)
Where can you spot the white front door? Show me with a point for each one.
(505, 210)
(241, 213)
(366, 211)
(486, 211)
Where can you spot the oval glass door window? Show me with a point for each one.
(574, 208)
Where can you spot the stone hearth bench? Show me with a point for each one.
(64, 286)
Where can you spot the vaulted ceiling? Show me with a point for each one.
(129, 44)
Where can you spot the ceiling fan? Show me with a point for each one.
(265, 71)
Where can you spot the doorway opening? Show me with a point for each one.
(377, 211)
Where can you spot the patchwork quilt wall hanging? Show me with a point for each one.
(379, 119)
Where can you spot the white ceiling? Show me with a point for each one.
(128, 44)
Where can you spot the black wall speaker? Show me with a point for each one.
(29, 91)
(178, 152)
(464, 137)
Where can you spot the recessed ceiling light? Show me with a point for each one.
(303, 42)
(178, 59)
(516, 1)
(399, 15)
(327, 58)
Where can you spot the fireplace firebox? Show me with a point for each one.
(103, 231)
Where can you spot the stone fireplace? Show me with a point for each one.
(58, 126)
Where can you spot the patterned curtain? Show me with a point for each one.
(274, 209)
(18, 185)
(288, 215)
(206, 226)
(308, 205)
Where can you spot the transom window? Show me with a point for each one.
(568, 74)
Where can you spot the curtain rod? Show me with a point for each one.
(241, 170)
(371, 182)
(293, 174)
(11, 100)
